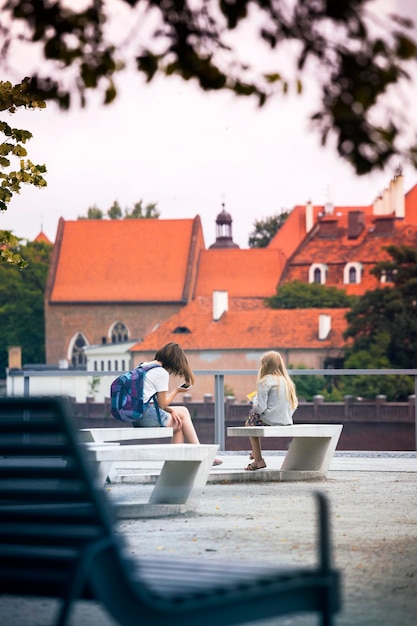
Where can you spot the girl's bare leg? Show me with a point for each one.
(255, 443)
(187, 431)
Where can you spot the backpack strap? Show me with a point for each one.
(153, 398)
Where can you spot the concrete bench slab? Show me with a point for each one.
(102, 435)
(184, 472)
(311, 449)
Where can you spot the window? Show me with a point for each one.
(352, 273)
(78, 358)
(388, 276)
(181, 330)
(119, 333)
(317, 273)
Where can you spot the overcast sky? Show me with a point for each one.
(189, 152)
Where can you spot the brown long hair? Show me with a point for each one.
(173, 359)
(272, 363)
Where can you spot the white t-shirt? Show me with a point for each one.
(157, 379)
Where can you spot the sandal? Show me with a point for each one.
(255, 466)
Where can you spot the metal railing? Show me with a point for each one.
(219, 397)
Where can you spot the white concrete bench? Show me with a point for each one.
(311, 449)
(102, 435)
(116, 435)
(184, 472)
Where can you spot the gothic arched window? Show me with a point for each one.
(119, 333)
(78, 358)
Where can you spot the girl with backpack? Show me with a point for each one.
(172, 360)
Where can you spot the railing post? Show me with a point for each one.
(26, 381)
(415, 407)
(219, 435)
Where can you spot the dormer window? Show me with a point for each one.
(182, 330)
(352, 273)
(317, 273)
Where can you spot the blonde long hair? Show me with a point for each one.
(272, 363)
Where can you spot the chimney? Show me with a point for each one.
(15, 358)
(378, 206)
(325, 325)
(384, 225)
(356, 224)
(399, 198)
(328, 228)
(220, 304)
(309, 217)
(385, 202)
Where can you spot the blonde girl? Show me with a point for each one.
(274, 403)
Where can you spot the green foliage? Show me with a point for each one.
(358, 69)
(8, 243)
(382, 327)
(115, 211)
(308, 386)
(149, 211)
(139, 211)
(93, 213)
(22, 304)
(389, 313)
(266, 229)
(396, 388)
(13, 97)
(299, 295)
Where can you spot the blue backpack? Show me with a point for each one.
(126, 394)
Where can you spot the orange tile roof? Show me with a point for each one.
(143, 260)
(42, 238)
(245, 327)
(242, 273)
(411, 206)
(367, 249)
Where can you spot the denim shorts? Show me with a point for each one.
(150, 418)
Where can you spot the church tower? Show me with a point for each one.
(224, 237)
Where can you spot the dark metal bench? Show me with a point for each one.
(57, 539)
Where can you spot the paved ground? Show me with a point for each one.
(373, 502)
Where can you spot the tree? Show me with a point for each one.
(382, 324)
(22, 320)
(93, 213)
(139, 211)
(299, 295)
(13, 97)
(389, 312)
(359, 60)
(266, 229)
(149, 211)
(115, 211)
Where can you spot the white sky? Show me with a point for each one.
(188, 151)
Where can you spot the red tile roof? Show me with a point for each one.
(42, 238)
(252, 273)
(143, 260)
(246, 325)
(367, 249)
